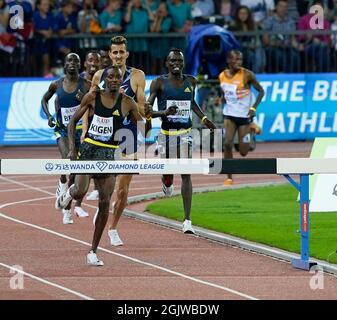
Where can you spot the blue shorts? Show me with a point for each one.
(62, 132)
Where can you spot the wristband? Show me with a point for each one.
(252, 108)
(203, 118)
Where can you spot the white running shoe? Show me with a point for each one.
(63, 200)
(67, 217)
(61, 188)
(80, 212)
(93, 195)
(187, 227)
(115, 240)
(168, 190)
(92, 260)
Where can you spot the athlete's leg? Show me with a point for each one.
(230, 129)
(105, 188)
(62, 143)
(122, 191)
(184, 150)
(244, 139)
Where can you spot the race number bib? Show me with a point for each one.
(67, 114)
(183, 112)
(101, 128)
(230, 93)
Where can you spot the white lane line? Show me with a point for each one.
(61, 235)
(121, 255)
(78, 294)
(24, 189)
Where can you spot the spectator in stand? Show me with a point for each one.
(43, 29)
(86, 16)
(181, 15)
(260, 9)
(282, 50)
(227, 9)
(87, 20)
(137, 18)
(66, 24)
(159, 47)
(4, 16)
(181, 20)
(111, 18)
(316, 47)
(152, 4)
(201, 8)
(253, 52)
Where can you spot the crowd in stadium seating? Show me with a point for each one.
(47, 21)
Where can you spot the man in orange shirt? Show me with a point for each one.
(240, 104)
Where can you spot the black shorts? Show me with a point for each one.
(239, 121)
(89, 151)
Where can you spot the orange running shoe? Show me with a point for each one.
(228, 182)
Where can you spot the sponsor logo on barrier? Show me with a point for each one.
(101, 165)
(49, 166)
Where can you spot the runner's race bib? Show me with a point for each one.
(230, 93)
(183, 112)
(67, 114)
(101, 128)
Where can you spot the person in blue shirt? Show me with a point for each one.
(162, 24)
(69, 91)
(43, 29)
(66, 24)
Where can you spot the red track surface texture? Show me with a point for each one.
(154, 263)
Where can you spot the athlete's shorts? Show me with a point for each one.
(175, 146)
(62, 132)
(239, 121)
(89, 151)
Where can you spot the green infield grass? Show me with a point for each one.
(268, 215)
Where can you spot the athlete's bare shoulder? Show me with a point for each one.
(137, 74)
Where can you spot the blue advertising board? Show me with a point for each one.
(295, 107)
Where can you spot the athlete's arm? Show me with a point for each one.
(96, 80)
(87, 87)
(86, 102)
(196, 108)
(139, 78)
(155, 88)
(46, 97)
(251, 80)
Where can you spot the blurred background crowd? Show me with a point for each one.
(269, 32)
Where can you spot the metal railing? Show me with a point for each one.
(148, 52)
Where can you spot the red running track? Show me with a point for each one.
(154, 263)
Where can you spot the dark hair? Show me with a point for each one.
(92, 52)
(116, 68)
(119, 40)
(233, 51)
(175, 50)
(238, 23)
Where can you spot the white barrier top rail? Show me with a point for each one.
(171, 166)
